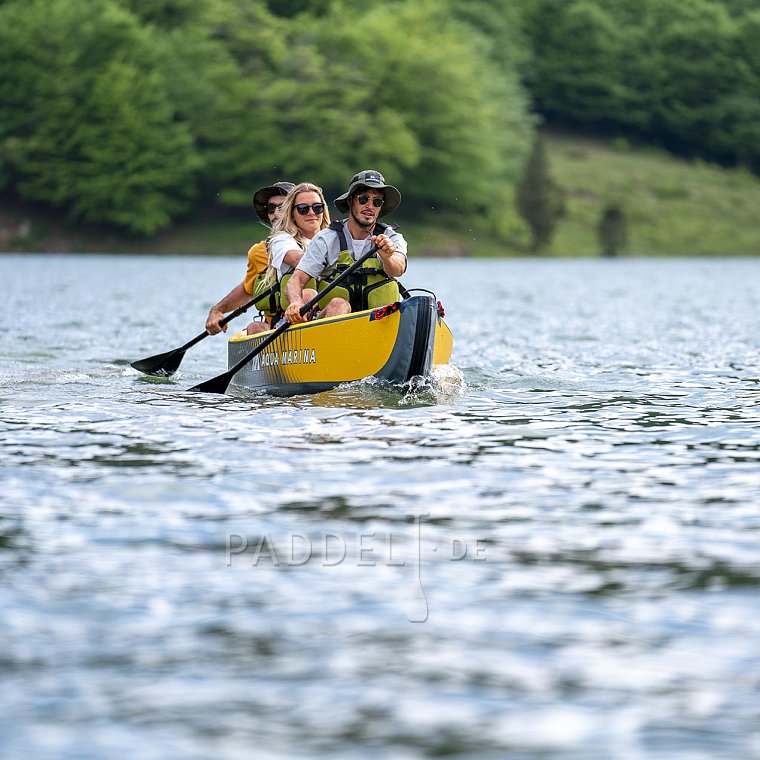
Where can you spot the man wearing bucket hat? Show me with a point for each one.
(266, 202)
(332, 250)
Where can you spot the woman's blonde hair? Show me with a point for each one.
(287, 222)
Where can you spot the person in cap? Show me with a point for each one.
(332, 250)
(267, 202)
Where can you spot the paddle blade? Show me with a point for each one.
(160, 365)
(218, 384)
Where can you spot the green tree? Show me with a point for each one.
(540, 201)
(499, 24)
(467, 122)
(167, 14)
(612, 230)
(578, 56)
(85, 121)
(680, 74)
(215, 65)
(741, 115)
(296, 7)
(159, 102)
(314, 100)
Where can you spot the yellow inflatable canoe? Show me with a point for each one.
(393, 343)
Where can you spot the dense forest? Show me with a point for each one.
(134, 113)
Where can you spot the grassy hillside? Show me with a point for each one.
(673, 207)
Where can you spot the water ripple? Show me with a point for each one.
(571, 507)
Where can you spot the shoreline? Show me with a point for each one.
(672, 206)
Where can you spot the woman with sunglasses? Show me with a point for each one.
(304, 214)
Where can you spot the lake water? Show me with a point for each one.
(553, 552)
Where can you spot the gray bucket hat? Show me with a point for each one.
(261, 198)
(376, 181)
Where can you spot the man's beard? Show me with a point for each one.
(361, 222)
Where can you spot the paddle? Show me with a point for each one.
(220, 383)
(166, 364)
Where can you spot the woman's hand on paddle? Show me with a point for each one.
(293, 312)
(215, 316)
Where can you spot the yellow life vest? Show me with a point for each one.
(267, 295)
(284, 302)
(367, 287)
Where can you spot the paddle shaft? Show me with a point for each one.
(220, 383)
(222, 322)
(167, 363)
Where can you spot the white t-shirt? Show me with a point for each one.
(323, 250)
(279, 244)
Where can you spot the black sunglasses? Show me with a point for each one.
(364, 200)
(272, 207)
(303, 208)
